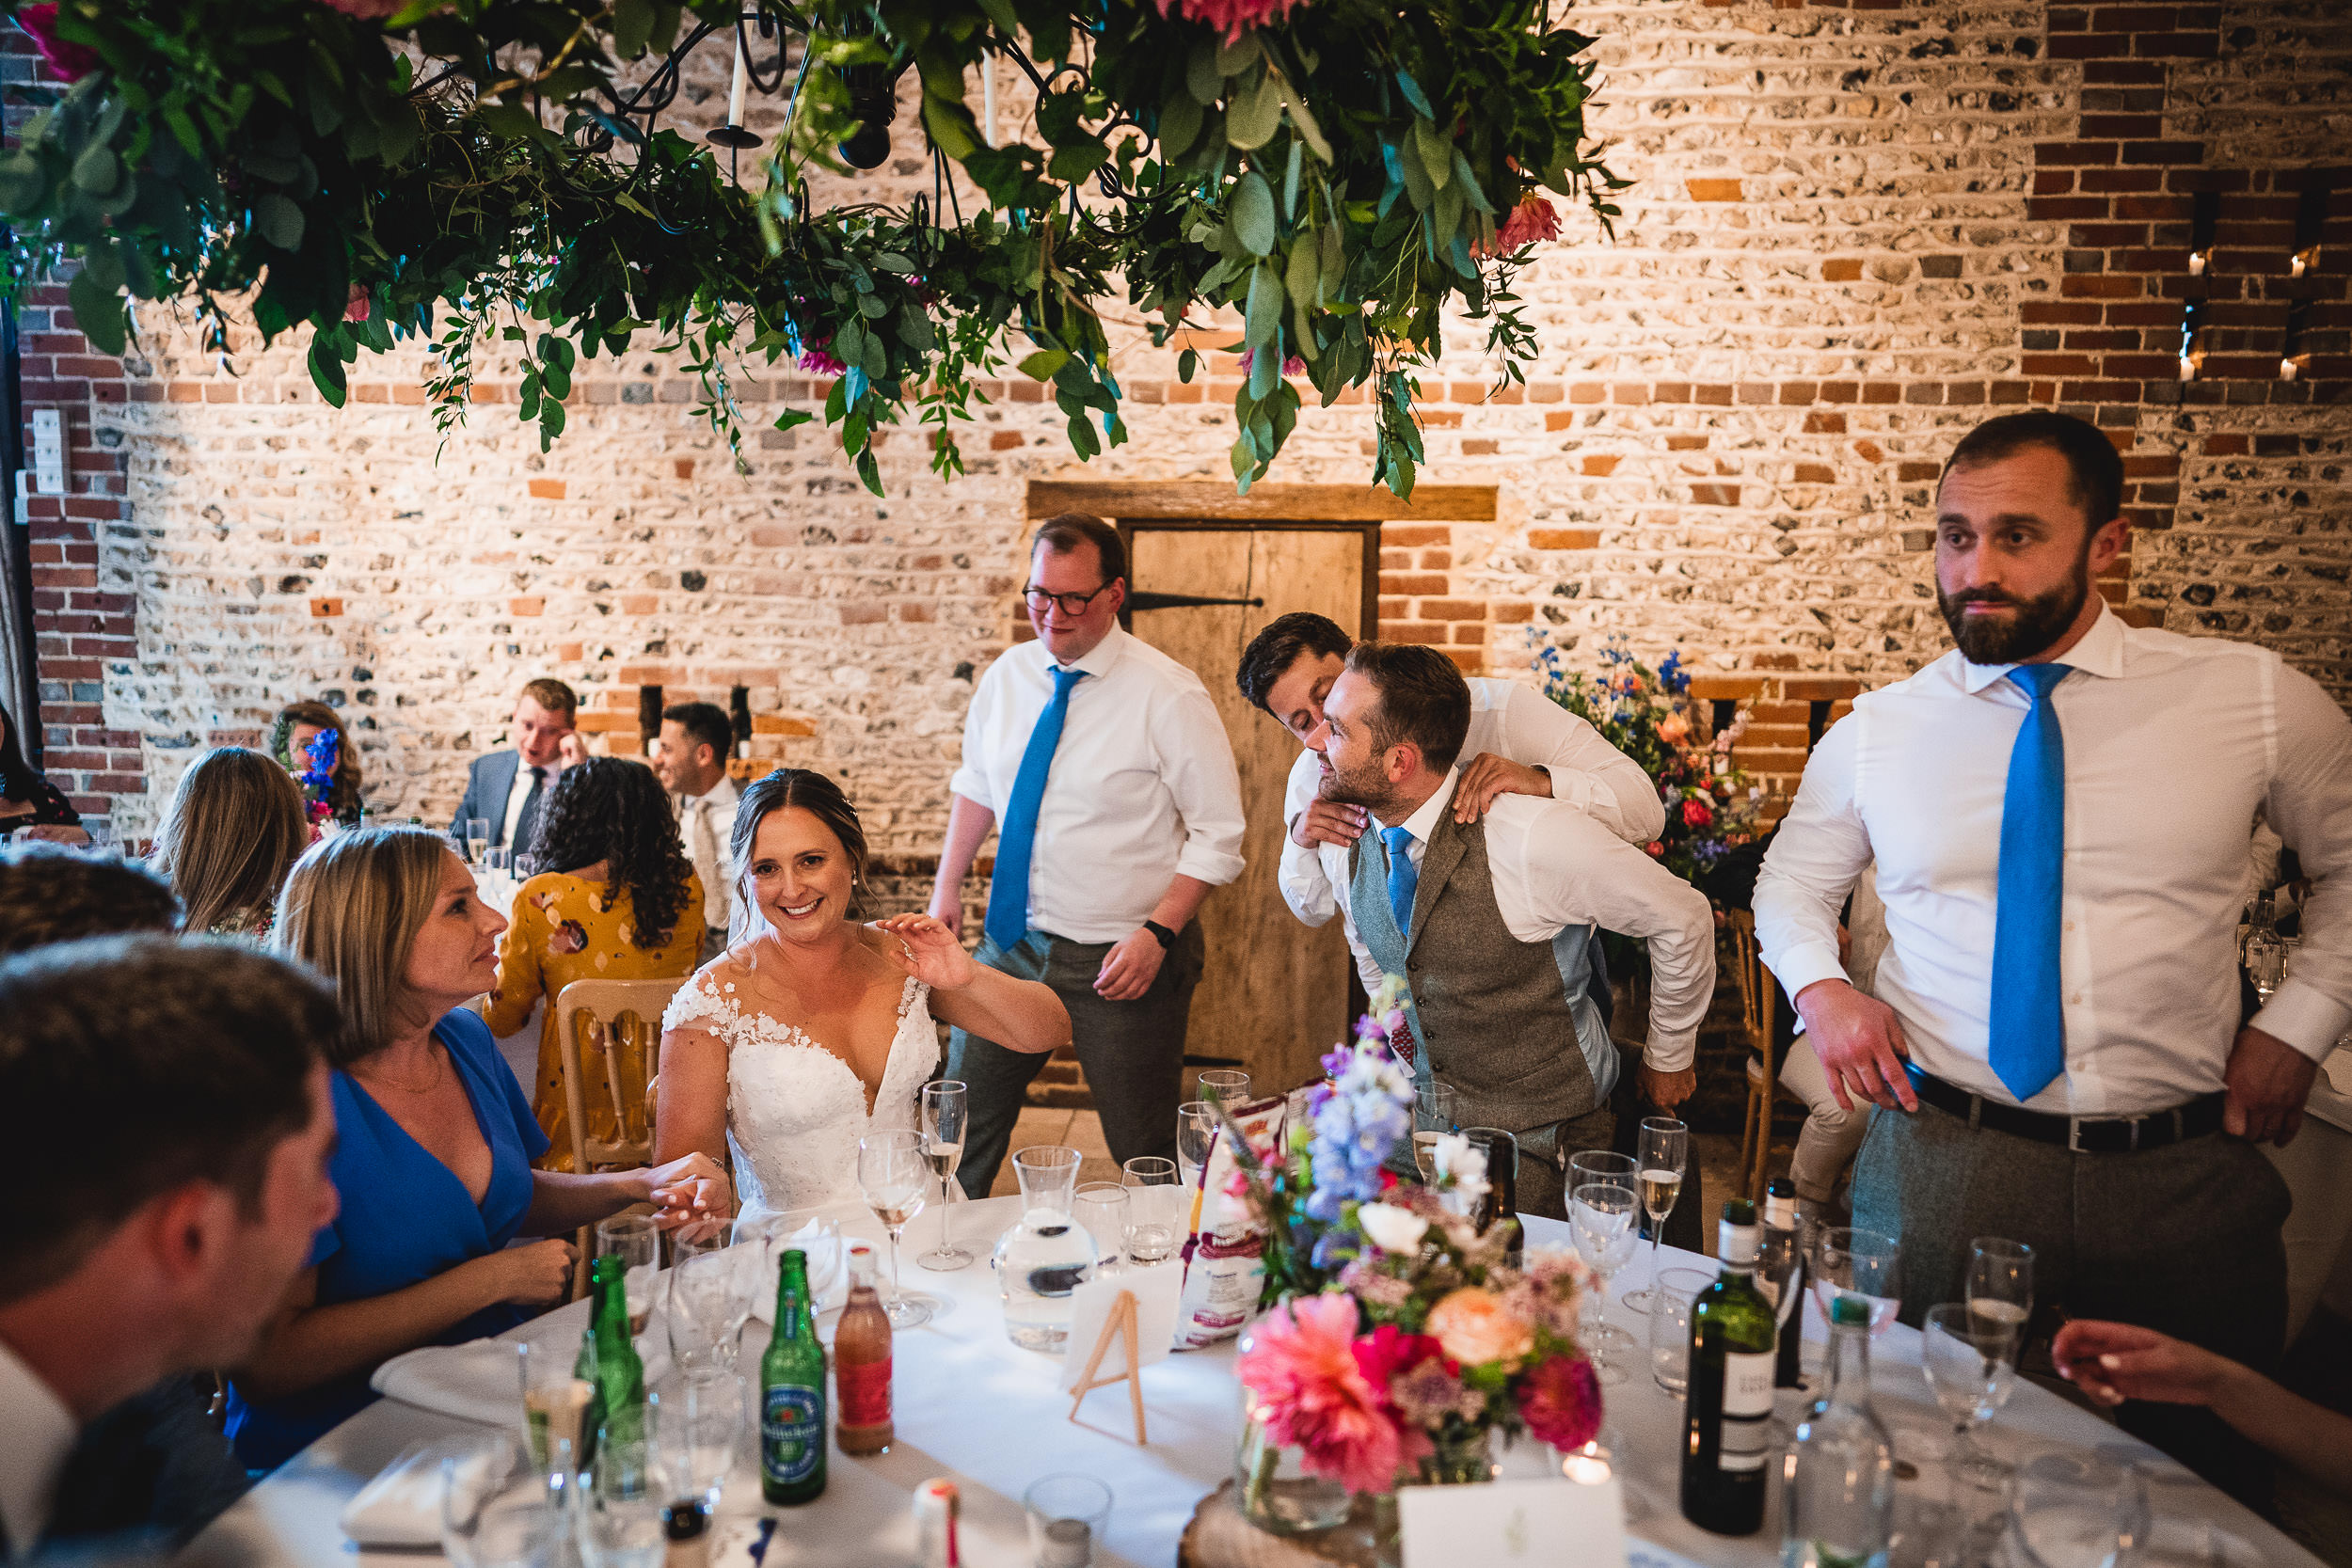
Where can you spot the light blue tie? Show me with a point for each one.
(1403, 878)
(1016, 834)
(2027, 1042)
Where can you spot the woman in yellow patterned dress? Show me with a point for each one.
(618, 901)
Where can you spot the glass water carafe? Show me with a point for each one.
(1048, 1255)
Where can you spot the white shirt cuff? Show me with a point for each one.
(968, 783)
(1207, 865)
(1671, 1051)
(2305, 1017)
(1807, 964)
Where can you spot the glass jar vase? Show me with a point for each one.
(1271, 1485)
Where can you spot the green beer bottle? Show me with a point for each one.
(792, 1393)
(620, 1376)
(1729, 1408)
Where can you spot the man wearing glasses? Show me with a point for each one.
(1104, 769)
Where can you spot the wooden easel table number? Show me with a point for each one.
(1121, 1324)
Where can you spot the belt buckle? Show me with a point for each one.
(2074, 1135)
(2074, 1126)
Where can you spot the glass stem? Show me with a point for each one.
(1657, 1233)
(947, 1215)
(896, 1290)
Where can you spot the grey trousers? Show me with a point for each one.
(1543, 1170)
(2184, 1239)
(1133, 1051)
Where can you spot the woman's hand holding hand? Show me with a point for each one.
(688, 1190)
(926, 949)
(539, 1275)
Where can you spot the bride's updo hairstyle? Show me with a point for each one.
(813, 793)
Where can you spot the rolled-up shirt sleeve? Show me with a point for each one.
(2309, 805)
(1586, 771)
(971, 778)
(1196, 763)
(1815, 859)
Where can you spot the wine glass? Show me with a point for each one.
(2000, 1284)
(620, 1519)
(1971, 1364)
(1436, 1111)
(945, 1105)
(1664, 1154)
(1602, 1215)
(1226, 1085)
(696, 1424)
(637, 1241)
(1196, 1132)
(892, 1174)
(1155, 1204)
(1849, 1261)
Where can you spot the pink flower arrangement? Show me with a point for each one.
(1697, 814)
(1560, 1402)
(1292, 366)
(68, 61)
(817, 361)
(1314, 1396)
(1231, 18)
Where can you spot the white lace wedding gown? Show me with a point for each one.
(795, 1110)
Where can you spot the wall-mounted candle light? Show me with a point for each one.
(2204, 218)
(2291, 351)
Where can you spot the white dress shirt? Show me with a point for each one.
(37, 1437)
(1143, 787)
(1553, 867)
(520, 791)
(706, 825)
(1518, 724)
(2172, 745)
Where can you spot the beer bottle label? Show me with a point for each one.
(791, 1433)
(864, 1391)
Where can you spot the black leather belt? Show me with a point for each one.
(2198, 1119)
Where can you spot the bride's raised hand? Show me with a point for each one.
(926, 949)
(686, 1190)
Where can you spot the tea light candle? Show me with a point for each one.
(1587, 1466)
(1069, 1543)
(2197, 262)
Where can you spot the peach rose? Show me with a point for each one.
(1672, 729)
(1473, 1328)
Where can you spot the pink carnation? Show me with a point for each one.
(1292, 366)
(1314, 1395)
(357, 305)
(1532, 219)
(1231, 18)
(368, 11)
(68, 61)
(816, 361)
(1560, 1401)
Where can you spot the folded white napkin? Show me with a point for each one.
(402, 1506)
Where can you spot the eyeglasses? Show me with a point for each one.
(1072, 604)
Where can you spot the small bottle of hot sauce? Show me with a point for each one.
(861, 1363)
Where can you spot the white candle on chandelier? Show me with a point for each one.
(742, 78)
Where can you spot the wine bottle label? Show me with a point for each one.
(864, 1391)
(1747, 1410)
(791, 1433)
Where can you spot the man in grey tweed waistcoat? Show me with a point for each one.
(1489, 921)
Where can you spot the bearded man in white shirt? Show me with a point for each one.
(690, 759)
(2060, 811)
(1104, 767)
(1489, 921)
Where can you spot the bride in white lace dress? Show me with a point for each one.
(813, 1028)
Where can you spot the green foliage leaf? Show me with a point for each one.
(327, 370)
(1042, 365)
(1073, 163)
(1413, 95)
(1180, 123)
(1253, 114)
(632, 28)
(1201, 78)
(97, 169)
(1251, 213)
(278, 221)
(1262, 319)
(1239, 55)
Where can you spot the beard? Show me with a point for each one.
(1364, 786)
(2038, 622)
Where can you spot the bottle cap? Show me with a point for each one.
(1736, 1238)
(1780, 1204)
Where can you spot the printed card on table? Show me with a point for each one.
(1156, 1289)
(1555, 1522)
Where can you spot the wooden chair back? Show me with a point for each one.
(1756, 997)
(595, 1023)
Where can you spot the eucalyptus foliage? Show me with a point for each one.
(1339, 171)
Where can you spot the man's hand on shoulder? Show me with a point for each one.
(2268, 1081)
(1861, 1044)
(1486, 776)
(1328, 822)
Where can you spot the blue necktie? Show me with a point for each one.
(1016, 834)
(2027, 1041)
(1403, 878)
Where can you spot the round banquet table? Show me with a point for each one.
(972, 1407)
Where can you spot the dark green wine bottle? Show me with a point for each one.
(792, 1394)
(620, 1375)
(1729, 1415)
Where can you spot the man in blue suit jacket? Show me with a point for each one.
(509, 788)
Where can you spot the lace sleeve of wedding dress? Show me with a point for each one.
(698, 1005)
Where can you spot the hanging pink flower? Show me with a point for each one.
(1314, 1395)
(1532, 219)
(68, 61)
(1560, 1402)
(1231, 18)
(357, 306)
(1292, 366)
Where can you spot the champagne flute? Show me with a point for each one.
(1155, 1202)
(1663, 1157)
(2000, 1285)
(477, 839)
(1196, 1132)
(1970, 1364)
(892, 1174)
(1603, 1216)
(945, 1105)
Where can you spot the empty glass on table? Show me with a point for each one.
(1102, 1207)
(1601, 1216)
(706, 1301)
(2078, 1510)
(1157, 1209)
(618, 1520)
(892, 1176)
(637, 1241)
(1226, 1085)
(696, 1424)
(1670, 1326)
(1971, 1364)
(1196, 1131)
(1849, 1260)
(1436, 1111)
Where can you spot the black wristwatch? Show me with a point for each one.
(1166, 937)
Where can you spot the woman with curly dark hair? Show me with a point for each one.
(615, 900)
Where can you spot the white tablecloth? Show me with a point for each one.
(972, 1407)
